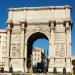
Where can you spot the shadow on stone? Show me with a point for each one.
(2, 70)
(10, 69)
(54, 70)
(64, 70)
(73, 69)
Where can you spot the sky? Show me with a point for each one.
(5, 4)
(42, 43)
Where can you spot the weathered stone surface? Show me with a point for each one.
(54, 22)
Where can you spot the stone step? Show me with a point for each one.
(44, 74)
(5, 73)
(48, 74)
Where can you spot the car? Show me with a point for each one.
(40, 67)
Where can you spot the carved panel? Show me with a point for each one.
(60, 49)
(15, 50)
(15, 45)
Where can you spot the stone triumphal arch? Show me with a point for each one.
(24, 25)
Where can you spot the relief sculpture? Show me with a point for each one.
(15, 46)
(60, 50)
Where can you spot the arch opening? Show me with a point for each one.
(30, 43)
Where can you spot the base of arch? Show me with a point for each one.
(68, 69)
(59, 64)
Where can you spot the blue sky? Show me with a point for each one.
(5, 4)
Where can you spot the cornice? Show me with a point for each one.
(39, 8)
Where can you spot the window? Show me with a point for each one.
(35, 53)
(35, 58)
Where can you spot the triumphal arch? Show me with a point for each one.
(25, 25)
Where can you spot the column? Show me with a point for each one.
(68, 51)
(25, 57)
(23, 29)
(51, 53)
(8, 46)
(51, 50)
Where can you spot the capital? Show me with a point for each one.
(67, 7)
(23, 25)
(9, 29)
(67, 23)
(67, 28)
(52, 24)
(10, 23)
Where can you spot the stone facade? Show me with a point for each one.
(54, 22)
(3, 46)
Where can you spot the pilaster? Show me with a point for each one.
(7, 58)
(67, 31)
(52, 28)
(68, 43)
(51, 50)
(23, 30)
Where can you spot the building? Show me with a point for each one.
(3, 46)
(37, 55)
(25, 25)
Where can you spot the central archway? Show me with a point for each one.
(30, 41)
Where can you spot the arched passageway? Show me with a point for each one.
(30, 42)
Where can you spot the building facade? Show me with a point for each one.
(25, 25)
(37, 55)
